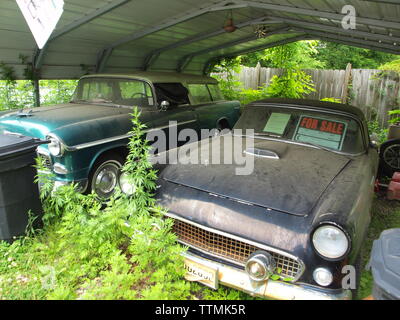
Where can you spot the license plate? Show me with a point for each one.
(205, 274)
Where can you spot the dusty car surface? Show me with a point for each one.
(288, 229)
(89, 135)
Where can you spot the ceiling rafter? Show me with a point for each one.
(356, 42)
(350, 43)
(318, 13)
(152, 56)
(224, 5)
(106, 52)
(318, 26)
(184, 61)
(40, 54)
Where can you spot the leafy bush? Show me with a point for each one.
(335, 100)
(292, 84)
(123, 249)
(375, 129)
(391, 66)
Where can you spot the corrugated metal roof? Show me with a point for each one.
(185, 35)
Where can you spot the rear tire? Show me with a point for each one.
(389, 155)
(103, 178)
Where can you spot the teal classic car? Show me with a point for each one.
(89, 135)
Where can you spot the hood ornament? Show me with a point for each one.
(262, 153)
(22, 113)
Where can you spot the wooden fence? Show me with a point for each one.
(375, 96)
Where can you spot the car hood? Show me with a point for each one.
(38, 122)
(291, 184)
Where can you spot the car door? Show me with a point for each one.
(211, 108)
(179, 115)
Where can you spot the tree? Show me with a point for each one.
(292, 58)
(303, 55)
(337, 56)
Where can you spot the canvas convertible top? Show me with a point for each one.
(343, 108)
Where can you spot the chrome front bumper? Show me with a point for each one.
(238, 279)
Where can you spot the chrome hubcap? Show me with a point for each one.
(105, 179)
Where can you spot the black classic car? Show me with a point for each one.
(290, 228)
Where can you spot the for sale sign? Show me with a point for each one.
(42, 17)
(324, 132)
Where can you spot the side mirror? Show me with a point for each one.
(164, 105)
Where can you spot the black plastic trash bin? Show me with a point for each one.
(18, 192)
(385, 265)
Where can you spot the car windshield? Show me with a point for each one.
(113, 91)
(318, 128)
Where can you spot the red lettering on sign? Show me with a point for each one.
(309, 123)
(322, 125)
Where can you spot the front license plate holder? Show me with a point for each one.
(200, 271)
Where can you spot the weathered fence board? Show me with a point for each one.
(374, 96)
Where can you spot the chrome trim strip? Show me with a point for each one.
(116, 138)
(59, 168)
(231, 236)
(240, 280)
(304, 145)
(261, 153)
(9, 133)
(98, 142)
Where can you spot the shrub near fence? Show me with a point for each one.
(367, 89)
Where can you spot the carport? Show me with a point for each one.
(119, 36)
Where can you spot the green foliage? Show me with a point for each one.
(228, 82)
(394, 116)
(335, 100)
(17, 94)
(301, 55)
(391, 66)
(337, 56)
(292, 84)
(123, 249)
(56, 91)
(375, 129)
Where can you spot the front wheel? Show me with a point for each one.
(103, 179)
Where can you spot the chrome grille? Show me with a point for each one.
(231, 249)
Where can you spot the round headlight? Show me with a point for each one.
(126, 185)
(55, 147)
(330, 241)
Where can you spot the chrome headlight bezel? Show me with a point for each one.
(336, 228)
(55, 147)
(126, 186)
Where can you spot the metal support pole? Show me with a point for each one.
(36, 90)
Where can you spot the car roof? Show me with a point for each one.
(163, 77)
(343, 108)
